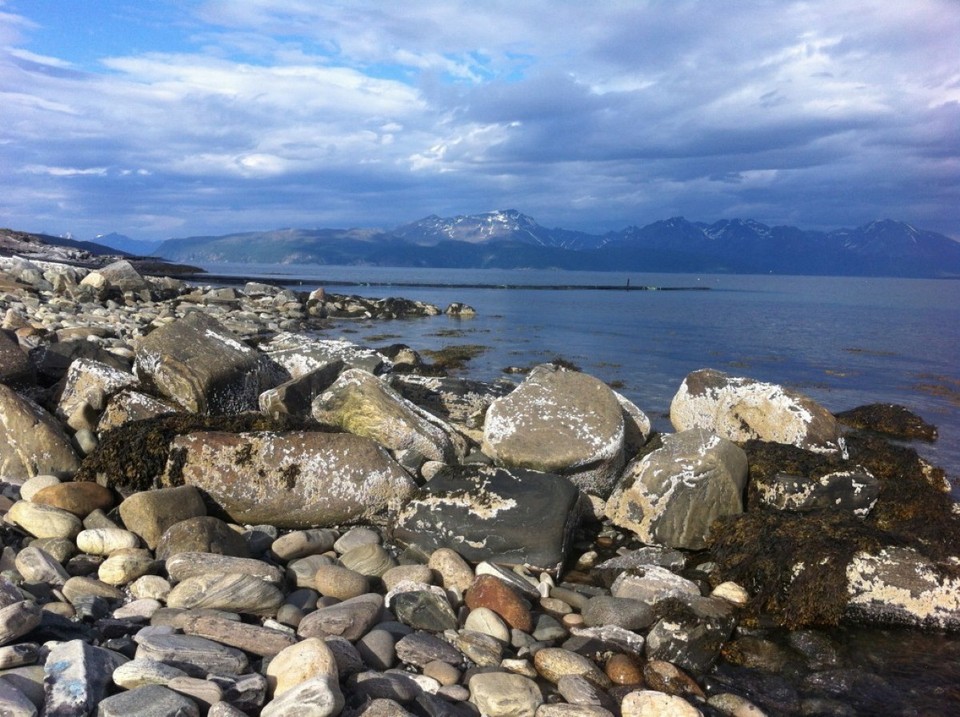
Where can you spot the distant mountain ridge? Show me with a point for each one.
(509, 239)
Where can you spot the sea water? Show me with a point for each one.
(843, 341)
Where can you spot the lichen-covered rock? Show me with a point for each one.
(299, 355)
(559, 421)
(485, 513)
(203, 367)
(741, 409)
(854, 489)
(89, 384)
(672, 495)
(361, 404)
(31, 440)
(295, 479)
(129, 405)
(898, 586)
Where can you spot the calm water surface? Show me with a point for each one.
(844, 341)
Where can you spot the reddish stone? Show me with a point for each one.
(491, 592)
(667, 677)
(624, 669)
(81, 499)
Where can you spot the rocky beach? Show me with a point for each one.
(214, 504)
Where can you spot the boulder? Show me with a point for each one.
(890, 420)
(15, 367)
(295, 397)
(88, 385)
(898, 586)
(203, 367)
(361, 404)
(559, 421)
(54, 359)
(130, 405)
(459, 401)
(517, 517)
(692, 634)
(855, 490)
(672, 495)
(299, 355)
(293, 479)
(120, 275)
(741, 409)
(31, 440)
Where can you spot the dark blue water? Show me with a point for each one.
(844, 341)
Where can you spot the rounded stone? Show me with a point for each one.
(150, 587)
(370, 559)
(552, 663)
(18, 619)
(623, 669)
(340, 582)
(443, 672)
(79, 587)
(301, 543)
(302, 572)
(485, 620)
(501, 694)
(125, 566)
(103, 541)
(378, 649)
(44, 521)
(230, 592)
(455, 572)
(80, 498)
(34, 485)
(300, 662)
(356, 537)
(731, 592)
(36, 566)
(648, 703)
(60, 549)
(201, 534)
(407, 573)
(491, 592)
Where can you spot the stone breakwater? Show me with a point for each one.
(207, 510)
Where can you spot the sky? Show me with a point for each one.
(176, 118)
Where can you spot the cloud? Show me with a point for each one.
(289, 112)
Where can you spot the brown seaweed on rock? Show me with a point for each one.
(795, 565)
(132, 457)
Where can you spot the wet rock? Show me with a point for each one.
(667, 677)
(899, 586)
(485, 513)
(150, 513)
(456, 400)
(652, 585)
(201, 534)
(692, 633)
(361, 404)
(597, 642)
(855, 489)
(233, 593)
(294, 479)
(623, 612)
(500, 694)
(349, 619)
(559, 421)
(890, 420)
(673, 495)
(203, 367)
(130, 405)
(741, 409)
(32, 442)
(624, 669)
(76, 677)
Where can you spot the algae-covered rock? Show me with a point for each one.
(889, 419)
(742, 409)
(559, 421)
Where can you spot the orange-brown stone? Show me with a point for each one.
(624, 669)
(81, 499)
(667, 677)
(491, 592)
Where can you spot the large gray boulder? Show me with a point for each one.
(203, 367)
(293, 479)
(898, 586)
(361, 404)
(120, 275)
(742, 409)
(88, 386)
(672, 495)
(295, 397)
(32, 441)
(563, 422)
(515, 516)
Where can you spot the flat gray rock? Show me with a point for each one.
(76, 677)
(197, 656)
(148, 701)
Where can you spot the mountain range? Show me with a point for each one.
(510, 239)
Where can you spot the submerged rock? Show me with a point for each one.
(563, 422)
(889, 419)
(741, 409)
(484, 513)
